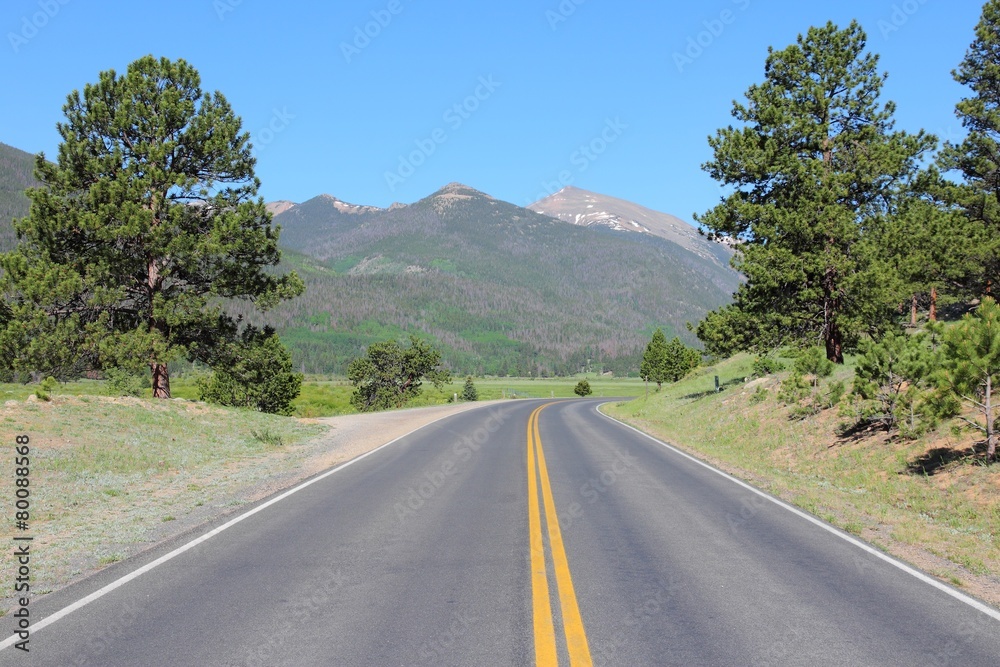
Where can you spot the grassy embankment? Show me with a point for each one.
(930, 501)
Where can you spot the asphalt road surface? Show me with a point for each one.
(512, 535)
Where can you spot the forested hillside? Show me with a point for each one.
(16, 168)
(502, 289)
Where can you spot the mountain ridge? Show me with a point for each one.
(502, 288)
(586, 208)
(499, 288)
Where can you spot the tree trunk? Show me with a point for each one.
(913, 310)
(161, 380)
(933, 310)
(991, 436)
(834, 345)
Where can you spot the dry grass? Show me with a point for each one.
(931, 501)
(110, 477)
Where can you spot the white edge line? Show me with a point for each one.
(82, 602)
(972, 602)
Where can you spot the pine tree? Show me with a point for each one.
(977, 158)
(255, 373)
(972, 358)
(148, 217)
(814, 166)
(680, 360)
(469, 391)
(654, 360)
(389, 375)
(929, 254)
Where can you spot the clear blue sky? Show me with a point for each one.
(533, 81)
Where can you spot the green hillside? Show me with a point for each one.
(502, 289)
(16, 169)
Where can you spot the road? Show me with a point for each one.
(531, 530)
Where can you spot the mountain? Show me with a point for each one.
(499, 288)
(582, 207)
(16, 174)
(502, 289)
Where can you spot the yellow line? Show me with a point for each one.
(545, 635)
(576, 636)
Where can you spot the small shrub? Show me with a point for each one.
(759, 396)
(266, 437)
(835, 393)
(764, 366)
(805, 410)
(45, 388)
(582, 388)
(812, 361)
(793, 389)
(121, 382)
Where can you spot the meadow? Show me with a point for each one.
(325, 396)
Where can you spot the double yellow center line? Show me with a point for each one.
(545, 636)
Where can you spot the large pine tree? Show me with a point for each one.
(147, 220)
(813, 166)
(977, 158)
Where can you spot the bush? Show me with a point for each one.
(582, 388)
(892, 379)
(256, 373)
(793, 389)
(835, 394)
(45, 388)
(122, 382)
(812, 361)
(764, 366)
(759, 396)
